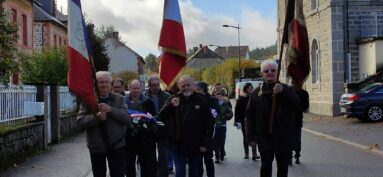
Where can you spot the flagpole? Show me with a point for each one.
(94, 77)
(288, 17)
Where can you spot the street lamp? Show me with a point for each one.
(239, 49)
(219, 63)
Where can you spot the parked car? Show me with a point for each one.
(367, 103)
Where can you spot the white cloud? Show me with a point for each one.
(139, 23)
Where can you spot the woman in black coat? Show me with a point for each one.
(239, 120)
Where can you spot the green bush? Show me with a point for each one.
(48, 66)
(226, 73)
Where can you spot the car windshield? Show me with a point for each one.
(368, 88)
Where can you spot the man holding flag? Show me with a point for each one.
(105, 122)
(272, 106)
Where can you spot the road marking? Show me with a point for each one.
(333, 138)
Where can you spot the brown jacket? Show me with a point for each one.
(110, 133)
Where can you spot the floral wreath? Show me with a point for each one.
(141, 122)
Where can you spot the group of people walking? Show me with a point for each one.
(158, 130)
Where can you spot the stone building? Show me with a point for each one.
(20, 13)
(342, 35)
(232, 51)
(202, 58)
(50, 25)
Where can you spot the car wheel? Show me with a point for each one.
(374, 113)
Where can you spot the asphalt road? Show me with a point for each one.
(320, 157)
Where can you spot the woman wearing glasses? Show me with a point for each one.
(279, 141)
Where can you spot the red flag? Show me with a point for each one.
(298, 53)
(80, 71)
(172, 43)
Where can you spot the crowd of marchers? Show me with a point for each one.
(157, 132)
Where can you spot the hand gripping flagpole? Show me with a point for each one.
(289, 16)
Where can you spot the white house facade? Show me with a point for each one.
(123, 58)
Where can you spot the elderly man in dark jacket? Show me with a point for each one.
(190, 123)
(105, 131)
(202, 88)
(159, 98)
(280, 141)
(141, 134)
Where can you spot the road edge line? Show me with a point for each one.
(333, 138)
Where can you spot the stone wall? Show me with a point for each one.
(326, 24)
(68, 126)
(21, 143)
(356, 12)
(318, 22)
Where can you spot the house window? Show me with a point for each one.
(60, 41)
(315, 61)
(314, 4)
(14, 21)
(25, 30)
(64, 42)
(14, 16)
(55, 40)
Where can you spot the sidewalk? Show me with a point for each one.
(67, 159)
(352, 131)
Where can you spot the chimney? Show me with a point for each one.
(200, 45)
(115, 34)
(205, 49)
(195, 49)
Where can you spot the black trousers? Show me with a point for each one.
(207, 158)
(116, 163)
(163, 148)
(219, 142)
(246, 144)
(282, 158)
(145, 152)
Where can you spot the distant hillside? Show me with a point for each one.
(263, 53)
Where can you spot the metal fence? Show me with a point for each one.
(12, 100)
(19, 102)
(67, 99)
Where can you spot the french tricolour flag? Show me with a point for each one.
(172, 43)
(80, 71)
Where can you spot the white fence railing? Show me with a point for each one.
(14, 102)
(67, 99)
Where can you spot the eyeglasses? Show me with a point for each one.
(269, 71)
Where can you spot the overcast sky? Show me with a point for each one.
(139, 21)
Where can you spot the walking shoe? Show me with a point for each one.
(256, 157)
(246, 157)
(297, 161)
(170, 170)
(290, 161)
(222, 158)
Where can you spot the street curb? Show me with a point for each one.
(333, 138)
